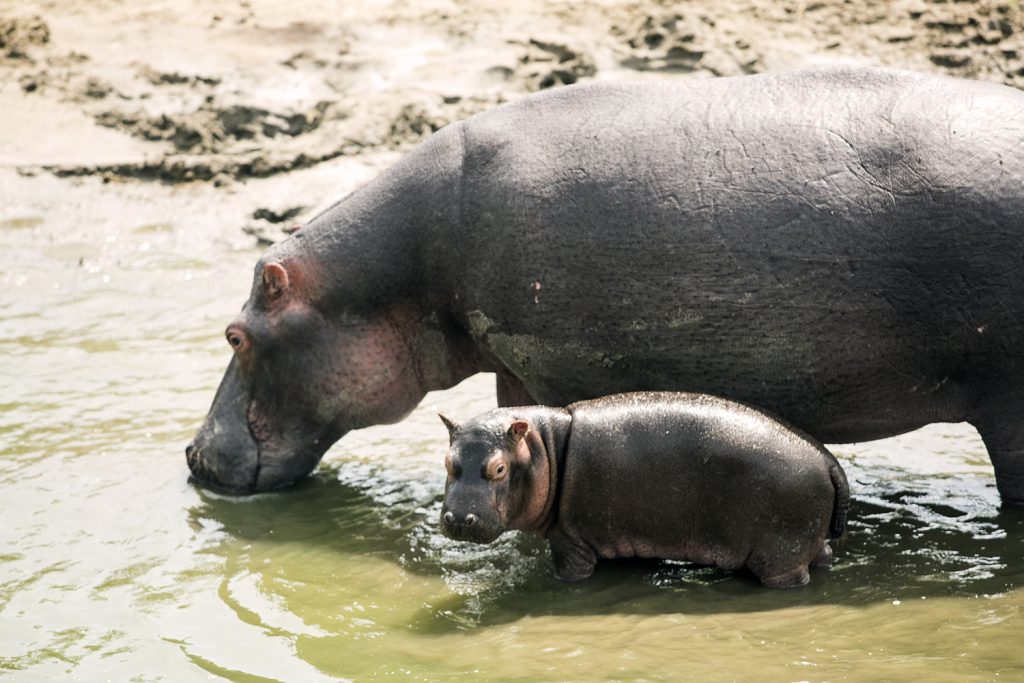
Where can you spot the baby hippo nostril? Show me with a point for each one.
(449, 518)
(470, 519)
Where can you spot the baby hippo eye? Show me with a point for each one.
(496, 469)
(449, 465)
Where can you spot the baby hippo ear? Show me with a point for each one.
(275, 280)
(449, 423)
(517, 430)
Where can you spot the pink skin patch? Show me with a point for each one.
(533, 501)
(374, 371)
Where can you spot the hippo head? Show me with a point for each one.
(488, 465)
(300, 379)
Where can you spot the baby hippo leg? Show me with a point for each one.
(574, 560)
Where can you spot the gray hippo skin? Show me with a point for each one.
(843, 248)
(662, 475)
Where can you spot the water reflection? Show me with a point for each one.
(910, 537)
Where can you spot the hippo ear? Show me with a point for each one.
(275, 280)
(449, 423)
(517, 430)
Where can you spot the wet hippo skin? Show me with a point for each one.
(656, 475)
(840, 247)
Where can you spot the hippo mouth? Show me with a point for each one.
(478, 535)
(238, 480)
(468, 528)
(245, 465)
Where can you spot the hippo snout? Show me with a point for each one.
(451, 521)
(225, 465)
(468, 527)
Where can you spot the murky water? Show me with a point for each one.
(114, 567)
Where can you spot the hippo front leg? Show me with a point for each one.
(793, 577)
(775, 565)
(574, 560)
(512, 392)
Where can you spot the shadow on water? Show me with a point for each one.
(908, 538)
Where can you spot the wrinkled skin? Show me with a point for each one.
(839, 247)
(657, 475)
(302, 389)
(325, 346)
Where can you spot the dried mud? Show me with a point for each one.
(222, 92)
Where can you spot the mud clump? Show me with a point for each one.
(29, 82)
(19, 35)
(278, 215)
(155, 77)
(274, 224)
(215, 129)
(980, 39)
(686, 43)
(547, 64)
(414, 122)
(221, 169)
(220, 142)
(96, 88)
(976, 40)
(418, 120)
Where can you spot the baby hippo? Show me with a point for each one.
(659, 475)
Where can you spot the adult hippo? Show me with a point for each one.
(844, 248)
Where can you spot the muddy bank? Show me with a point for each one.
(321, 94)
(222, 92)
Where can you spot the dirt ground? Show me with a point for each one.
(228, 92)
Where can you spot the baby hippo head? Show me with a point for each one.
(485, 463)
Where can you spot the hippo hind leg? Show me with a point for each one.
(824, 556)
(1004, 440)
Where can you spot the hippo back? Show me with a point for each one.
(688, 475)
(841, 247)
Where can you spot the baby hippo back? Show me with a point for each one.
(697, 478)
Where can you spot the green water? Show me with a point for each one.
(114, 567)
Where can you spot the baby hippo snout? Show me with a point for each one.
(450, 521)
(468, 526)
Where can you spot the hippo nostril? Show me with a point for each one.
(189, 450)
(449, 518)
(470, 519)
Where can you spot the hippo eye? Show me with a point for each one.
(497, 471)
(237, 339)
(453, 469)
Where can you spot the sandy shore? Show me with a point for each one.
(227, 92)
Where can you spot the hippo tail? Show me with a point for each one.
(837, 527)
